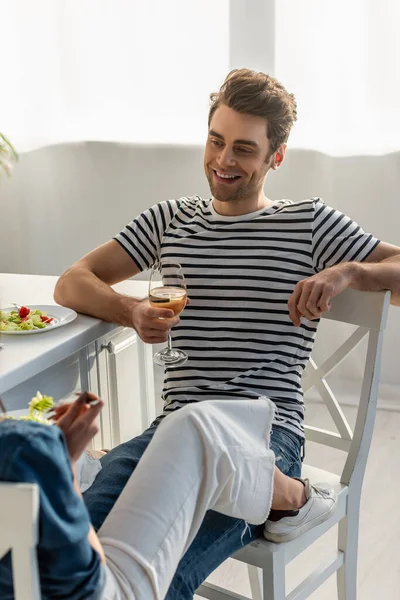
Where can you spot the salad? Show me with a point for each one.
(38, 407)
(24, 319)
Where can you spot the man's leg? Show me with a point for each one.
(117, 466)
(214, 454)
(220, 536)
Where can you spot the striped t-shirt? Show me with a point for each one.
(240, 273)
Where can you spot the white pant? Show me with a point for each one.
(209, 455)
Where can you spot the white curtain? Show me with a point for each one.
(125, 70)
(142, 70)
(341, 59)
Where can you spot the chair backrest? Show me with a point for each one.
(19, 517)
(368, 311)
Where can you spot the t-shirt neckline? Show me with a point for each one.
(245, 217)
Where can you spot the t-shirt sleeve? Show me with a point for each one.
(336, 238)
(142, 237)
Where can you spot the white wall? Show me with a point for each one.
(368, 190)
(64, 200)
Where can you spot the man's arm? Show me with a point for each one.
(380, 271)
(85, 287)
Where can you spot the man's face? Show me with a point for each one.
(237, 155)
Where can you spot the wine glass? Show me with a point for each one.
(167, 289)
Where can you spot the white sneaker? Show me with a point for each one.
(321, 504)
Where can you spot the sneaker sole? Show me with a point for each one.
(280, 538)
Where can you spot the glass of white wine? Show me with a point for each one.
(167, 289)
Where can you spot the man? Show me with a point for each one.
(259, 275)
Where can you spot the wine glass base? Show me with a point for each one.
(166, 357)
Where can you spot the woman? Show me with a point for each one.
(212, 463)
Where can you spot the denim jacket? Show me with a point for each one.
(69, 567)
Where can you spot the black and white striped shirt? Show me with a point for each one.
(240, 273)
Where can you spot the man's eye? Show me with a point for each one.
(216, 143)
(244, 150)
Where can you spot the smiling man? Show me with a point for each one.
(259, 275)
(237, 161)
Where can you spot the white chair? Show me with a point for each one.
(19, 518)
(267, 561)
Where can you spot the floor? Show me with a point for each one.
(379, 556)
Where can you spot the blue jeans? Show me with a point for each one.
(219, 536)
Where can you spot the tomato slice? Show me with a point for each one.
(45, 319)
(23, 312)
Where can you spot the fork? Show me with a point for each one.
(3, 408)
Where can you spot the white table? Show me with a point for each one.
(73, 357)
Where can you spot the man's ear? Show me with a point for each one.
(278, 157)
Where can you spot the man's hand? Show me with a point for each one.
(153, 324)
(312, 296)
(77, 422)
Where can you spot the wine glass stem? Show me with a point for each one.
(169, 343)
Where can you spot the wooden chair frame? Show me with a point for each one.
(267, 561)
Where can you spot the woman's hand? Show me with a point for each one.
(77, 422)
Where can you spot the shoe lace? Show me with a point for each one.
(325, 493)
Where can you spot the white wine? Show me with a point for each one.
(173, 298)
(167, 290)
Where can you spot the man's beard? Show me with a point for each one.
(227, 195)
(244, 190)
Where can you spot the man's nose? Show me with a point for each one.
(226, 158)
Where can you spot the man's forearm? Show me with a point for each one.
(82, 291)
(376, 277)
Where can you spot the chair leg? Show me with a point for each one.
(256, 582)
(274, 583)
(25, 574)
(348, 544)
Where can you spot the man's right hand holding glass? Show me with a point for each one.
(152, 324)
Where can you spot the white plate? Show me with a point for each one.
(61, 315)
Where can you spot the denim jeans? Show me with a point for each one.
(219, 536)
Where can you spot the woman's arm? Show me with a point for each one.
(77, 421)
(92, 535)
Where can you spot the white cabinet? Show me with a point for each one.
(121, 373)
(60, 381)
(117, 367)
